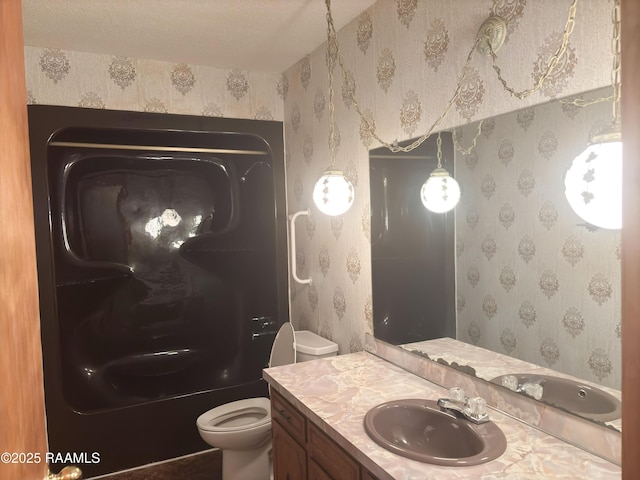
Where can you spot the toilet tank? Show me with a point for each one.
(310, 346)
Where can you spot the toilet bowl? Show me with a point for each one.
(242, 429)
(251, 418)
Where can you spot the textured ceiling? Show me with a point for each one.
(258, 35)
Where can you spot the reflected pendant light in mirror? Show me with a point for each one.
(593, 184)
(440, 193)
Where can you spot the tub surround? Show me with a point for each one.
(335, 394)
(594, 437)
(124, 346)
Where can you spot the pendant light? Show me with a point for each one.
(332, 193)
(593, 183)
(440, 193)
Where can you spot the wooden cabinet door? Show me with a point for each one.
(289, 458)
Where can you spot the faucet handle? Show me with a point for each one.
(511, 382)
(456, 394)
(534, 390)
(477, 406)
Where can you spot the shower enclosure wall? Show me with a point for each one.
(161, 243)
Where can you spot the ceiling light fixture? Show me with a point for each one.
(333, 192)
(593, 183)
(440, 193)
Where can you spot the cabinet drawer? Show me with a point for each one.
(288, 416)
(333, 462)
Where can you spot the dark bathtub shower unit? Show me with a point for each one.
(412, 249)
(162, 266)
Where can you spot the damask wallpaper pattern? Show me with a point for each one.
(534, 281)
(403, 60)
(59, 77)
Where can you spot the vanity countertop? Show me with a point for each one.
(335, 393)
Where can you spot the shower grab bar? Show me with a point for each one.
(292, 229)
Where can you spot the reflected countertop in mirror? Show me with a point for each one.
(488, 365)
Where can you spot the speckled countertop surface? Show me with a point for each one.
(335, 393)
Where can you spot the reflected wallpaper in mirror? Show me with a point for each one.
(533, 280)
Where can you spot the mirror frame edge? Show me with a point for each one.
(630, 49)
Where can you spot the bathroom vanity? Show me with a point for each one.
(299, 446)
(318, 410)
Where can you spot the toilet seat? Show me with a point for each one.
(236, 416)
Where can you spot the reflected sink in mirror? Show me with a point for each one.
(419, 430)
(579, 398)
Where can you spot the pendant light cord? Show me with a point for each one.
(393, 147)
(615, 97)
(553, 61)
(332, 48)
(615, 71)
(474, 141)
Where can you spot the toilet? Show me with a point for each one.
(242, 429)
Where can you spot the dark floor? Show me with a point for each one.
(204, 466)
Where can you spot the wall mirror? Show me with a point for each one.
(412, 251)
(537, 290)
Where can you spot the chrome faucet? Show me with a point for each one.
(472, 409)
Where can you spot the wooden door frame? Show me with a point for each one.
(22, 414)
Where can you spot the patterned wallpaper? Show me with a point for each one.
(403, 58)
(533, 281)
(78, 79)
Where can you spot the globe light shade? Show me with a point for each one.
(593, 183)
(333, 193)
(440, 193)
